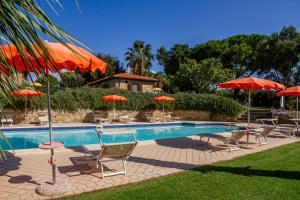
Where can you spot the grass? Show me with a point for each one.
(273, 174)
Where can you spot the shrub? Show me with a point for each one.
(89, 98)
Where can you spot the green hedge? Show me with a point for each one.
(89, 98)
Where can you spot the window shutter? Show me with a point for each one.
(129, 87)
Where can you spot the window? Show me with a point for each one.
(134, 87)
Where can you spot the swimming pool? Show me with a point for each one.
(76, 136)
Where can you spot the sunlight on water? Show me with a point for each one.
(76, 137)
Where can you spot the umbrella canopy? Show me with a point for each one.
(59, 57)
(156, 89)
(163, 99)
(26, 93)
(113, 98)
(251, 83)
(36, 84)
(291, 91)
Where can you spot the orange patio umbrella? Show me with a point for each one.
(114, 99)
(26, 93)
(60, 57)
(163, 99)
(250, 84)
(291, 91)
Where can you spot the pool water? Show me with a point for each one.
(26, 139)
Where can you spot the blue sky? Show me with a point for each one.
(111, 26)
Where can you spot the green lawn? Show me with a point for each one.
(273, 174)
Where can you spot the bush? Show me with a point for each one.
(89, 98)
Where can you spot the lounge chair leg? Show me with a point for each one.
(266, 141)
(229, 147)
(97, 162)
(102, 171)
(124, 165)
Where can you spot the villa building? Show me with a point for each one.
(126, 81)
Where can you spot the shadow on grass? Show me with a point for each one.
(248, 171)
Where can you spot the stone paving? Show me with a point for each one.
(22, 173)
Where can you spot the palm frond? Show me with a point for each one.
(24, 24)
(4, 138)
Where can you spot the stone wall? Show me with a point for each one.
(85, 115)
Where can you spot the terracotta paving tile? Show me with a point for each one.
(20, 175)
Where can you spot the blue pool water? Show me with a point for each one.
(26, 139)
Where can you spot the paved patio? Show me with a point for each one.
(21, 174)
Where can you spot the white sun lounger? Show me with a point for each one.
(231, 142)
(263, 134)
(43, 118)
(7, 118)
(111, 151)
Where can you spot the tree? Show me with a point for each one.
(114, 66)
(280, 56)
(238, 53)
(202, 77)
(171, 59)
(139, 57)
(71, 80)
(159, 76)
(54, 83)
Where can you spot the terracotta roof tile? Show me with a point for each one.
(125, 76)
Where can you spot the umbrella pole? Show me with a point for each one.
(25, 110)
(164, 111)
(114, 117)
(249, 105)
(297, 113)
(50, 128)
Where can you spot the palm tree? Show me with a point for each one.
(160, 76)
(139, 57)
(23, 23)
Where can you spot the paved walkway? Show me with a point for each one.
(21, 174)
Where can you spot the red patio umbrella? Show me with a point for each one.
(26, 93)
(250, 84)
(62, 57)
(114, 99)
(59, 57)
(291, 91)
(163, 99)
